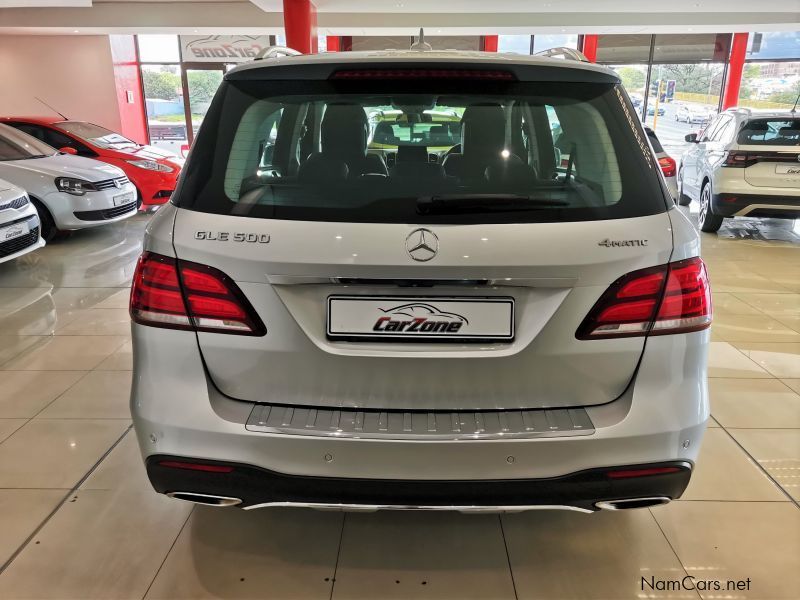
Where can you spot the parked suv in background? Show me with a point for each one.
(153, 171)
(745, 163)
(462, 334)
(19, 223)
(69, 192)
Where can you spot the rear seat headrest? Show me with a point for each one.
(483, 130)
(344, 130)
(321, 168)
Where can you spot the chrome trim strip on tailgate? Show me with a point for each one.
(419, 425)
(375, 507)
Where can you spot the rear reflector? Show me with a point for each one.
(174, 464)
(668, 166)
(358, 74)
(629, 473)
(182, 295)
(673, 298)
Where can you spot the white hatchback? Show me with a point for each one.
(69, 192)
(19, 223)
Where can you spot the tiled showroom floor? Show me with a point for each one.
(79, 520)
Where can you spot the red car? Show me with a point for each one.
(153, 171)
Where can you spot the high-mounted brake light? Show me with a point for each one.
(358, 74)
(673, 298)
(182, 295)
(668, 166)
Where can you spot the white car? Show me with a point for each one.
(69, 192)
(19, 223)
(692, 113)
(513, 326)
(745, 163)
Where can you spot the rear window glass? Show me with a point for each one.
(657, 147)
(770, 132)
(426, 151)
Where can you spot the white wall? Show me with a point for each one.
(73, 73)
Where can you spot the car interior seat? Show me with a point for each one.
(344, 131)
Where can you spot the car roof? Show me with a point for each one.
(326, 63)
(762, 113)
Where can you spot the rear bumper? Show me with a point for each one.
(178, 413)
(257, 488)
(756, 205)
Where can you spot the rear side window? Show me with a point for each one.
(770, 132)
(657, 147)
(424, 151)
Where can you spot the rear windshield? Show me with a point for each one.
(421, 151)
(770, 132)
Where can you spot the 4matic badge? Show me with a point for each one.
(621, 243)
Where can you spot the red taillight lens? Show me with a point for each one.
(673, 298)
(646, 472)
(360, 74)
(181, 295)
(174, 464)
(668, 166)
(739, 160)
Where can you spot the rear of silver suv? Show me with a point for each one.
(518, 322)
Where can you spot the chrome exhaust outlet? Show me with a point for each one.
(632, 503)
(205, 499)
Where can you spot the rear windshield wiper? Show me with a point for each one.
(484, 203)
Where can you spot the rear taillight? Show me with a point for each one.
(668, 166)
(739, 160)
(673, 298)
(182, 295)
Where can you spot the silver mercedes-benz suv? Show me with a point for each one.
(497, 307)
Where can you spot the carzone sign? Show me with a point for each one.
(222, 48)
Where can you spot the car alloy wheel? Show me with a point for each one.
(708, 221)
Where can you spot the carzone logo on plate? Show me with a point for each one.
(417, 317)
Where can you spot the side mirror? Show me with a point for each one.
(691, 137)
(68, 150)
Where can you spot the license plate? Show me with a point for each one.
(420, 318)
(787, 169)
(9, 233)
(123, 199)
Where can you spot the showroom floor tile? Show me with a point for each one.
(754, 403)
(605, 555)
(71, 471)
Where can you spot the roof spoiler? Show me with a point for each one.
(563, 52)
(276, 52)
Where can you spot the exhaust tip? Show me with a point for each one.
(632, 503)
(205, 499)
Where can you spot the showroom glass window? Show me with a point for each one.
(159, 57)
(687, 71)
(771, 78)
(518, 44)
(544, 42)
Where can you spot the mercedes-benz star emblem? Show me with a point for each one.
(422, 245)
